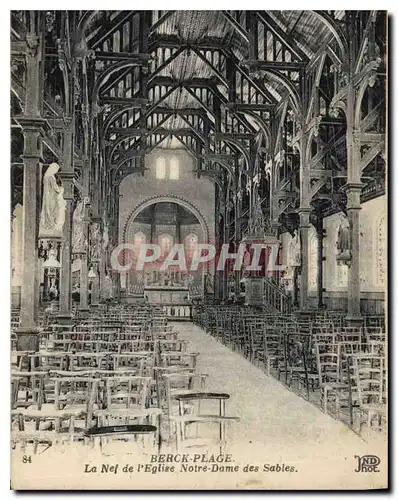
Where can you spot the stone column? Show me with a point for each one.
(32, 126)
(320, 237)
(65, 291)
(354, 288)
(32, 129)
(102, 266)
(353, 190)
(95, 289)
(83, 306)
(304, 232)
(238, 239)
(225, 241)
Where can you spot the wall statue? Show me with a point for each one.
(107, 290)
(209, 289)
(52, 217)
(295, 254)
(343, 243)
(95, 242)
(256, 222)
(79, 238)
(105, 238)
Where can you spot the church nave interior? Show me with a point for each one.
(199, 235)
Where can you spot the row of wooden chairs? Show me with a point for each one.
(294, 349)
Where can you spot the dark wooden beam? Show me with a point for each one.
(237, 106)
(287, 39)
(180, 111)
(226, 137)
(237, 27)
(122, 56)
(135, 103)
(127, 132)
(126, 155)
(160, 21)
(139, 132)
(276, 65)
(172, 41)
(214, 69)
(215, 157)
(164, 65)
(111, 27)
(167, 81)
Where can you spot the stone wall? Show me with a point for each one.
(199, 193)
(373, 259)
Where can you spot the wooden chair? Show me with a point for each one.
(64, 400)
(138, 438)
(178, 384)
(126, 402)
(182, 421)
(179, 359)
(328, 361)
(371, 386)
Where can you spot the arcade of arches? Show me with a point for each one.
(195, 127)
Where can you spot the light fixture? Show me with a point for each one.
(91, 273)
(52, 261)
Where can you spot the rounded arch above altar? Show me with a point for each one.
(127, 230)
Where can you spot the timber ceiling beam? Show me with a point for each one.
(256, 64)
(165, 63)
(196, 132)
(121, 56)
(237, 106)
(287, 39)
(110, 27)
(252, 80)
(161, 21)
(237, 27)
(134, 103)
(188, 148)
(173, 42)
(139, 132)
(210, 65)
(228, 137)
(168, 81)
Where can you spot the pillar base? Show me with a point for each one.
(28, 339)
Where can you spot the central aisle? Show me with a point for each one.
(275, 425)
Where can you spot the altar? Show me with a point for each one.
(166, 295)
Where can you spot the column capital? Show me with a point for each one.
(304, 210)
(304, 214)
(354, 186)
(67, 175)
(32, 123)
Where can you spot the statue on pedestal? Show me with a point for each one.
(105, 238)
(295, 247)
(79, 239)
(256, 222)
(209, 289)
(95, 242)
(52, 217)
(343, 242)
(107, 291)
